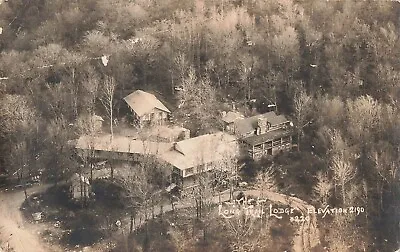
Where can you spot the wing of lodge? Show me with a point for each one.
(265, 134)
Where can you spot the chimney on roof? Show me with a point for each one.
(262, 125)
(177, 148)
(185, 134)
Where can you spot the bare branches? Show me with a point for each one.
(107, 99)
(302, 103)
(266, 180)
(343, 172)
(245, 233)
(323, 187)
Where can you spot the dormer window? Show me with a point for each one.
(189, 171)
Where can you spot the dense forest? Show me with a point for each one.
(332, 63)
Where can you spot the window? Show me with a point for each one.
(189, 171)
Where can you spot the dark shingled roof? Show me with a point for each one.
(268, 136)
(249, 124)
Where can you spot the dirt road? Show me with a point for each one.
(22, 236)
(15, 232)
(307, 233)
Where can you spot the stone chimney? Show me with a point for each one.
(262, 125)
(186, 134)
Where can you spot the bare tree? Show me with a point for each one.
(139, 191)
(387, 170)
(107, 99)
(343, 172)
(86, 126)
(60, 161)
(302, 103)
(323, 187)
(266, 181)
(143, 185)
(225, 174)
(19, 155)
(364, 116)
(18, 119)
(246, 233)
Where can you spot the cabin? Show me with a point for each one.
(196, 158)
(185, 160)
(147, 110)
(264, 135)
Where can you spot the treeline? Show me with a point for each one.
(333, 63)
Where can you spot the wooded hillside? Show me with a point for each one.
(332, 63)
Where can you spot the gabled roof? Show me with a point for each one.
(184, 154)
(246, 125)
(142, 102)
(201, 150)
(121, 144)
(231, 116)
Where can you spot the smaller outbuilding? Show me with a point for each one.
(147, 109)
(229, 119)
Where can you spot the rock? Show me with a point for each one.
(37, 216)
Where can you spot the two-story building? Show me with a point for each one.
(147, 109)
(185, 160)
(195, 158)
(265, 134)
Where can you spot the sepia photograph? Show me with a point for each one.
(199, 126)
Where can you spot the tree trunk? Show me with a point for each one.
(197, 208)
(26, 194)
(111, 119)
(91, 172)
(91, 164)
(23, 181)
(172, 203)
(152, 209)
(112, 170)
(298, 140)
(343, 194)
(131, 223)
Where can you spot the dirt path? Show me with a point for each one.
(307, 235)
(15, 232)
(22, 236)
